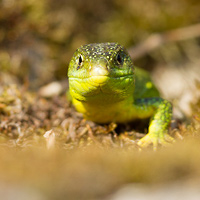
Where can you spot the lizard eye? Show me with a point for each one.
(80, 61)
(119, 58)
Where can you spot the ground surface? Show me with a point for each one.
(49, 151)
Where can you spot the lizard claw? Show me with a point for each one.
(151, 138)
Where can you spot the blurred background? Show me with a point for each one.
(38, 38)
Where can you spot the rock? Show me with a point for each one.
(50, 90)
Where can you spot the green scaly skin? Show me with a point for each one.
(106, 87)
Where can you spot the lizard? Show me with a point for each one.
(105, 87)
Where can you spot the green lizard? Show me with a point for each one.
(106, 87)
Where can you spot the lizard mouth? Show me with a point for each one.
(100, 79)
(101, 84)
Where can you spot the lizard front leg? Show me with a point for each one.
(161, 111)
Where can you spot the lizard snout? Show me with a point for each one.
(99, 70)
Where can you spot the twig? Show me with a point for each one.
(156, 40)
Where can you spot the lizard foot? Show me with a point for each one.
(155, 139)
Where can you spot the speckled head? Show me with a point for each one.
(100, 68)
(98, 51)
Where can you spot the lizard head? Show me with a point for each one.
(101, 71)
